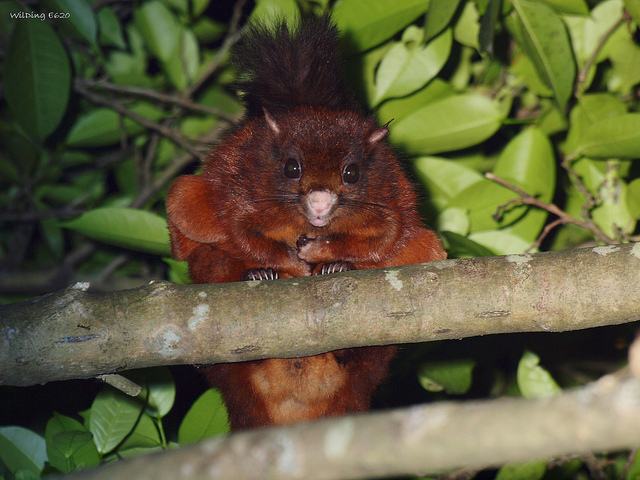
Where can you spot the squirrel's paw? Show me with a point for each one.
(259, 274)
(333, 267)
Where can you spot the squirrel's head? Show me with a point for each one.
(332, 169)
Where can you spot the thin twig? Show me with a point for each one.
(582, 188)
(595, 466)
(549, 207)
(545, 232)
(160, 97)
(167, 132)
(584, 71)
(630, 460)
(170, 172)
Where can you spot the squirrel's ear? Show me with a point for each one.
(273, 125)
(379, 133)
(191, 216)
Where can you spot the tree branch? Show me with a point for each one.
(602, 416)
(76, 334)
(160, 97)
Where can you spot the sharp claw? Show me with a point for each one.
(335, 267)
(260, 274)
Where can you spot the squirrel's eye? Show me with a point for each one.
(351, 173)
(292, 168)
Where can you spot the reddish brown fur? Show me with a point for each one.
(243, 213)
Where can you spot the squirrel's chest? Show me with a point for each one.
(298, 389)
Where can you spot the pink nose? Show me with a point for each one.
(320, 202)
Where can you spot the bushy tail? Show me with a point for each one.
(281, 68)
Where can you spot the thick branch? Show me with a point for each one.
(76, 334)
(603, 416)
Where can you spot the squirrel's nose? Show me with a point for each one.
(320, 202)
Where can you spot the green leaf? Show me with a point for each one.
(110, 29)
(87, 187)
(528, 228)
(130, 69)
(587, 32)
(439, 15)
(22, 449)
(453, 376)
(124, 227)
(199, 6)
(178, 272)
(572, 7)
(545, 40)
(625, 72)
(523, 67)
(467, 27)
(7, 21)
(633, 198)
(593, 174)
(69, 445)
(401, 107)
(103, 126)
(159, 28)
(113, 417)
(633, 7)
(488, 26)
(502, 241)
(612, 215)
(77, 15)
(444, 179)
(522, 471)
(206, 417)
(482, 199)
(37, 78)
(407, 67)
(533, 380)
(182, 6)
(590, 109)
(127, 69)
(269, 11)
(452, 123)
(616, 137)
(633, 473)
(454, 219)
(529, 161)
(208, 31)
(145, 435)
(368, 23)
(461, 247)
(182, 68)
(161, 390)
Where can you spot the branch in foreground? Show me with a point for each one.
(602, 416)
(76, 334)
